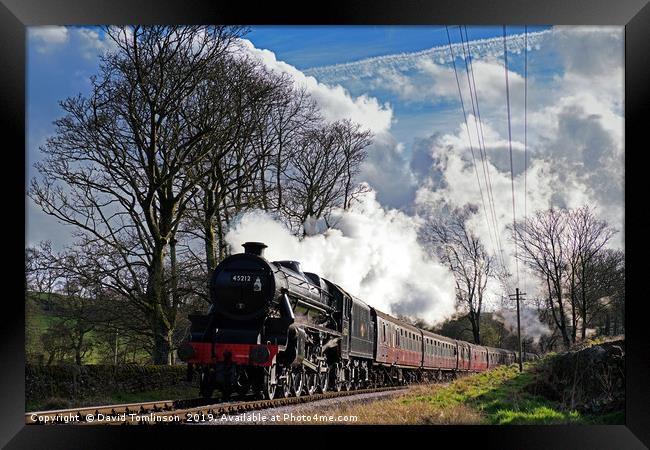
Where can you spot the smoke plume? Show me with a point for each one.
(531, 326)
(371, 252)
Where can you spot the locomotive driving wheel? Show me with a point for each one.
(338, 377)
(347, 380)
(312, 378)
(323, 377)
(285, 384)
(296, 382)
(270, 381)
(206, 387)
(243, 384)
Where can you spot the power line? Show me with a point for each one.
(469, 137)
(525, 135)
(478, 138)
(481, 135)
(512, 177)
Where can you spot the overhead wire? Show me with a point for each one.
(481, 136)
(512, 178)
(525, 136)
(469, 137)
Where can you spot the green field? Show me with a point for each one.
(41, 319)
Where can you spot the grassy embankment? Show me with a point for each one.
(497, 397)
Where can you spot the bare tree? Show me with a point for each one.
(587, 238)
(604, 284)
(542, 247)
(562, 247)
(463, 252)
(117, 168)
(40, 277)
(292, 116)
(353, 141)
(321, 174)
(235, 158)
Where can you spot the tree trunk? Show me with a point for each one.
(210, 246)
(278, 174)
(584, 304)
(160, 325)
(175, 294)
(574, 318)
(220, 238)
(474, 320)
(162, 341)
(566, 338)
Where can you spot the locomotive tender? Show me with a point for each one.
(278, 330)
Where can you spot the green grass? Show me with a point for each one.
(501, 399)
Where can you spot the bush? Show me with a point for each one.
(590, 379)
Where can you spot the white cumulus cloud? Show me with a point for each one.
(335, 101)
(47, 38)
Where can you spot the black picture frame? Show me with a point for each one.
(15, 15)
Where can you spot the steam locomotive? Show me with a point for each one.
(276, 330)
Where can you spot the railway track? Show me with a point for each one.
(176, 411)
(57, 416)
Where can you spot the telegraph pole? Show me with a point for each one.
(517, 294)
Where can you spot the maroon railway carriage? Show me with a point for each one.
(498, 357)
(405, 352)
(478, 358)
(464, 356)
(398, 343)
(439, 352)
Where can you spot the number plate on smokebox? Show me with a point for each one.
(247, 279)
(239, 278)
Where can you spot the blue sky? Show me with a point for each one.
(313, 46)
(58, 70)
(398, 81)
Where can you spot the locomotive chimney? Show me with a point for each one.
(254, 248)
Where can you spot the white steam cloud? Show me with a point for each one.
(371, 252)
(531, 326)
